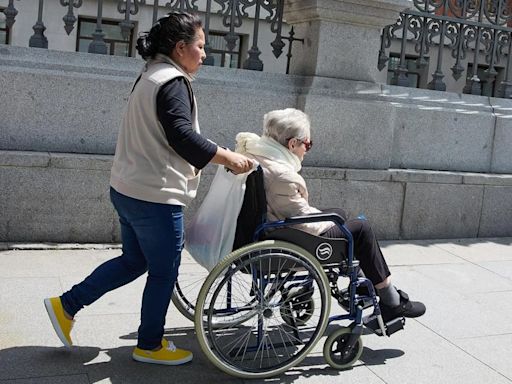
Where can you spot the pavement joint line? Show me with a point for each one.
(58, 246)
(479, 265)
(484, 336)
(464, 351)
(369, 367)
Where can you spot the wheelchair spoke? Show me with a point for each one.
(259, 311)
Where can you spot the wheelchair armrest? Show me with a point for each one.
(315, 217)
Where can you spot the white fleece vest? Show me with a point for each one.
(145, 166)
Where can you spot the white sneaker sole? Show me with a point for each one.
(56, 326)
(149, 360)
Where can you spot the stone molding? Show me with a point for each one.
(64, 197)
(373, 13)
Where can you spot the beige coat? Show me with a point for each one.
(287, 194)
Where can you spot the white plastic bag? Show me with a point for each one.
(209, 236)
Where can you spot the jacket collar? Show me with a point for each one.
(160, 58)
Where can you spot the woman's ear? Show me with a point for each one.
(180, 46)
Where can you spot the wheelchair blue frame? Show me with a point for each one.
(355, 313)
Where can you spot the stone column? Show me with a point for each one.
(342, 37)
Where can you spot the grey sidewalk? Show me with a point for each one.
(465, 336)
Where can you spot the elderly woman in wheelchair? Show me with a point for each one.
(280, 151)
(263, 308)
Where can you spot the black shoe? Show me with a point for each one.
(406, 308)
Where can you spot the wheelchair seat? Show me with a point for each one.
(329, 252)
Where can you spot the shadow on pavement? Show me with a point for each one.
(83, 364)
(379, 357)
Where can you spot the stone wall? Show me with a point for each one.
(56, 197)
(419, 164)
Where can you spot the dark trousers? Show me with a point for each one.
(366, 247)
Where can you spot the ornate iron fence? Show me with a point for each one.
(476, 32)
(233, 13)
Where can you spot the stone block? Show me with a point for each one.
(24, 159)
(226, 111)
(441, 211)
(60, 112)
(326, 86)
(424, 176)
(315, 192)
(368, 175)
(496, 212)
(323, 173)
(81, 62)
(81, 161)
(55, 205)
(438, 138)
(350, 133)
(380, 202)
(323, 22)
(441, 130)
(502, 152)
(487, 179)
(325, 54)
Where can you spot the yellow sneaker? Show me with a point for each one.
(167, 355)
(61, 323)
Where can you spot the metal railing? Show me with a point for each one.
(473, 31)
(232, 12)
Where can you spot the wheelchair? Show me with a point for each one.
(266, 305)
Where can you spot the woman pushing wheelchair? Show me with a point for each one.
(280, 151)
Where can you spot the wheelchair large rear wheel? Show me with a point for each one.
(186, 291)
(188, 284)
(253, 284)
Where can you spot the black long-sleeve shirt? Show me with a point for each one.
(174, 110)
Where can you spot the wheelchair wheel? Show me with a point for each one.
(298, 310)
(252, 285)
(336, 353)
(186, 291)
(189, 282)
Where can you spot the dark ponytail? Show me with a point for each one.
(167, 32)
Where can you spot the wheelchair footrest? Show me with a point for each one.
(391, 326)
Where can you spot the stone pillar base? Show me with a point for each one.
(342, 37)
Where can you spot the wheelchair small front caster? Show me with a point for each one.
(337, 351)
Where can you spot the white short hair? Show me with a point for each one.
(285, 124)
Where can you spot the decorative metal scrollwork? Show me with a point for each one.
(128, 7)
(385, 43)
(38, 39)
(69, 18)
(232, 13)
(480, 27)
(276, 24)
(182, 5)
(10, 14)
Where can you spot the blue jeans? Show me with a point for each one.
(152, 236)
